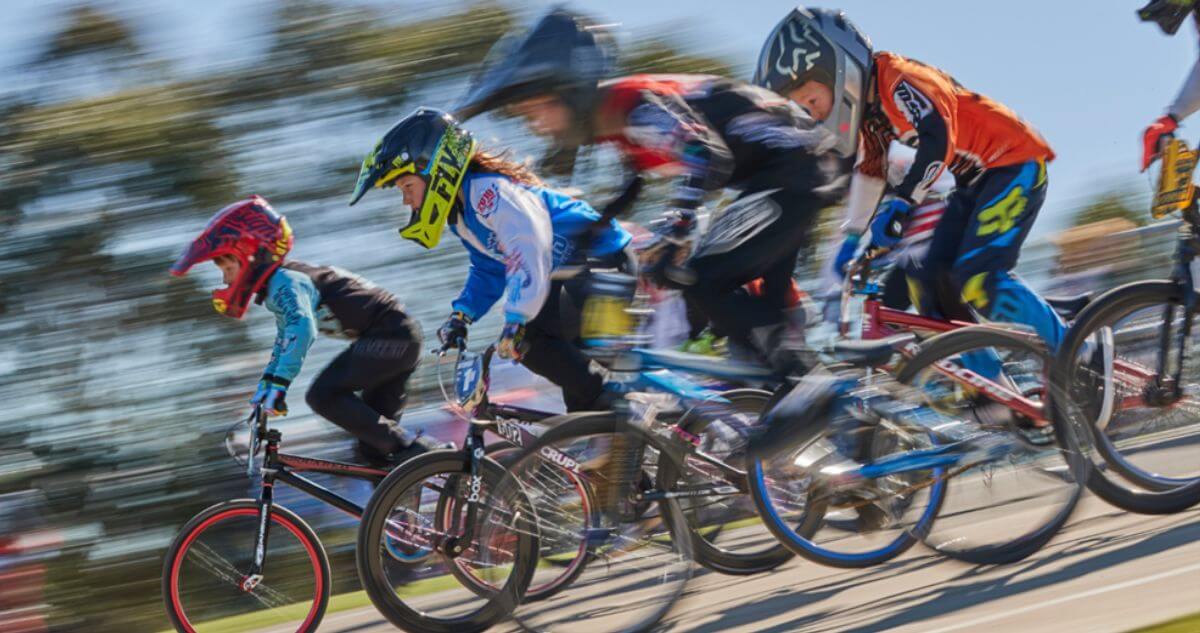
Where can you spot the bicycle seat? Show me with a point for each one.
(1069, 306)
(868, 353)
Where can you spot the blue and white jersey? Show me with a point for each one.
(516, 235)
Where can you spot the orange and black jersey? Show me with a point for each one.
(949, 125)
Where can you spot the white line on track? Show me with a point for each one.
(1057, 601)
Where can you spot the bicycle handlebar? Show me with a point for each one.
(857, 275)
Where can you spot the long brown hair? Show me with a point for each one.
(489, 162)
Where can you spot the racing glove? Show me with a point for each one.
(511, 343)
(845, 254)
(674, 235)
(271, 394)
(888, 225)
(1152, 138)
(453, 333)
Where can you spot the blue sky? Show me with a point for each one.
(1086, 73)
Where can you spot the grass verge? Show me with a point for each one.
(1186, 624)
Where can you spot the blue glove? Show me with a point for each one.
(846, 254)
(888, 226)
(512, 341)
(270, 394)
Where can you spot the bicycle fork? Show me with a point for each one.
(266, 500)
(456, 543)
(1167, 386)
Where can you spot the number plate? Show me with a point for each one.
(605, 317)
(468, 381)
(1175, 188)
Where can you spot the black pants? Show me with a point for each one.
(554, 352)
(378, 364)
(760, 235)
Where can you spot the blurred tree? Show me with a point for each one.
(1117, 204)
(89, 29)
(661, 55)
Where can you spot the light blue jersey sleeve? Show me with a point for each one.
(292, 298)
(485, 285)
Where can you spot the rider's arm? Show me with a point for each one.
(921, 108)
(869, 179)
(667, 123)
(1188, 99)
(523, 232)
(292, 298)
(485, 284)
(865, 192)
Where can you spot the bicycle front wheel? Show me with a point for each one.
(1018, 479)
(1146, 427)
(433, 504)
(206, 580)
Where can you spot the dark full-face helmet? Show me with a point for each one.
(823, 46)
(564, 55)
(428, 143)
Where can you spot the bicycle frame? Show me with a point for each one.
(283, 467)
(881, 321)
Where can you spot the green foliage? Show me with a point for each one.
(88, 29)
(655, 55)
(1122, 205)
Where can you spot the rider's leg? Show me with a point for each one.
(553, 354)
(931, 287)
(388, 398)
(375, 359)
(759, 235)
(1007, 203)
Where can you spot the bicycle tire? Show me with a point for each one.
(1159, 496)
(982, 336)
(504, 452)
(708, 554)
(244, 508)
(589, 424)
(797, 534)
(374, 578)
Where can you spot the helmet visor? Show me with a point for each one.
(199, 251)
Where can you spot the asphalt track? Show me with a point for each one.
(1107, 571)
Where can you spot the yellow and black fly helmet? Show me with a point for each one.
(431, 144)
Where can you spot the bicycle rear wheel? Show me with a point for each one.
(1148, 439)
(640, 562)
(408, 507)
(1008, 502)
(205, 579)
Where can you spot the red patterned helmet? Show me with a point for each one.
(253, 232)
